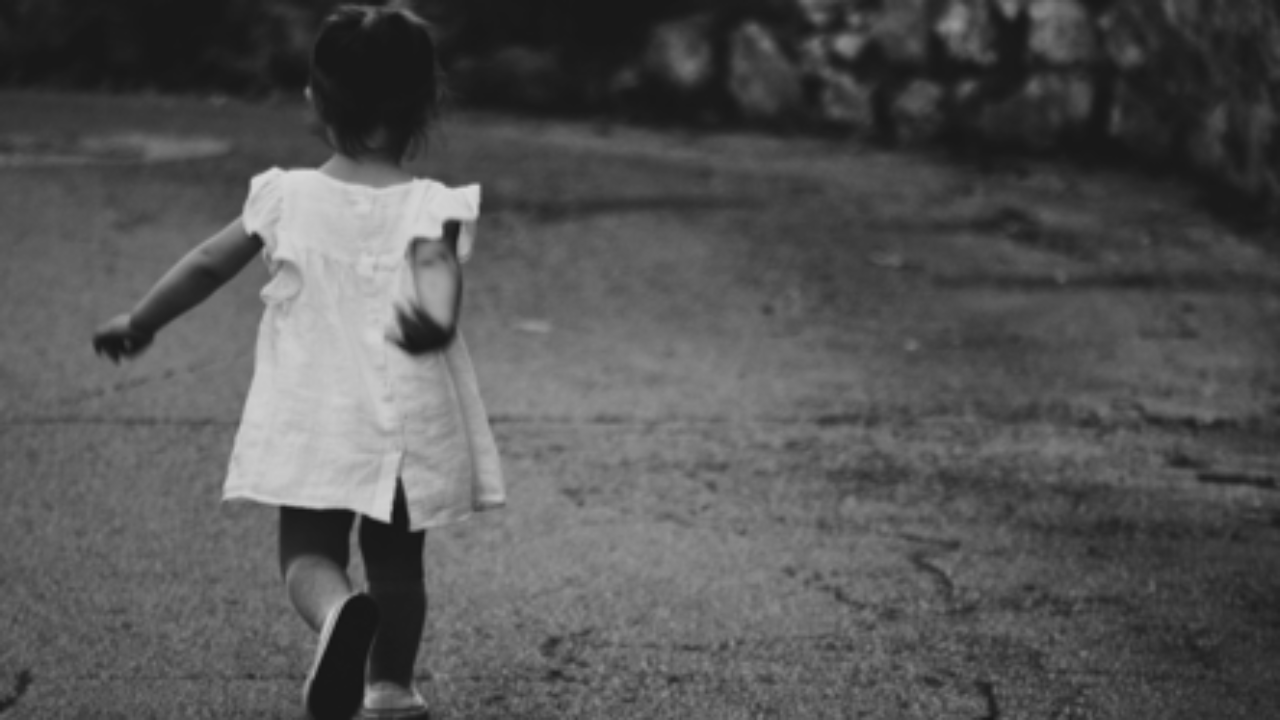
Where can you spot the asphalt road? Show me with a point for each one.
(793, 429)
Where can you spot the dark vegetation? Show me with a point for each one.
(244, 46)
(1185, 85)
(254, 46)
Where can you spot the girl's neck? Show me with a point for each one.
(376, 171)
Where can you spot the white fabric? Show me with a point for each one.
(336, 413)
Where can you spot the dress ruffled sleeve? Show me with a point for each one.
(445, 204)
(262, 209)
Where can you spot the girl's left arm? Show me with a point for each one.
(187, 284)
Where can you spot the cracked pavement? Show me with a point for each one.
(793, 429)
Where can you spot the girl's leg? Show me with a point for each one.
(393, 564)
(314, 550)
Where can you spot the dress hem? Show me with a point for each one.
(479, 507)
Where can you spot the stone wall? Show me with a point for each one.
(1191, 83)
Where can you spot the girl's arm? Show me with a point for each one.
(431, 323)
(187, 284)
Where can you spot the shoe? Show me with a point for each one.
(335, 685)
(389, 701)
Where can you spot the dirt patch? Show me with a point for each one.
(114, 149)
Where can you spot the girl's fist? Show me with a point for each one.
(419, 332)
(117, 338)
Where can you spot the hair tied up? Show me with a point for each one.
(375, 79)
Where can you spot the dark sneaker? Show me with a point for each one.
(335, 686)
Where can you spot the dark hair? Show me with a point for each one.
(374, 74)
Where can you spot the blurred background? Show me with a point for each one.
(1181, 83)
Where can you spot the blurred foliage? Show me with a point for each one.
(1200, 53)
(1210, 71)
(237, 45)
(1195, 53)
(575, 27)
(593, 30)
(252, 46)
(563, 55)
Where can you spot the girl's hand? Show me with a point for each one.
(117, 338)
(429, 322)
(419, 333)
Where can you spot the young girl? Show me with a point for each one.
(363, 400)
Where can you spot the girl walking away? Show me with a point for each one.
(363, 403)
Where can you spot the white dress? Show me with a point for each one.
(336, 413)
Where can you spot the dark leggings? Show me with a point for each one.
(392, 553)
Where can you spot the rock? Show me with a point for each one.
(680, 54)
(839, 98)
(966, 32)
(820, 13)
(1010, 8)
(675, 77)
(763, 82)
(849, 45)
(1120, 42)
(917, 112)
(1062, 32)
(845, 102)
(1047, 108)
(815, 56)
(858, 18)
(901, 32)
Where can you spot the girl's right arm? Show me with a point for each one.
(431, 324)
(187, 284)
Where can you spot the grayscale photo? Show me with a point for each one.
(640, 359)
